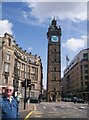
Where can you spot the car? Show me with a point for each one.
(34, 100)
(66, 99)
(78, 100)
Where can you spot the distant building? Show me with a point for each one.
(14, 67)
(75, 81)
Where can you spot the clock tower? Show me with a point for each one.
(54, 62)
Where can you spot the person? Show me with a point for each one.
(18, 97)
(9, 105)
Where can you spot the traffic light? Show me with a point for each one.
(28, 82)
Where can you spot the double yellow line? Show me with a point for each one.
(27, 117)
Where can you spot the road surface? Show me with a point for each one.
(60, 110)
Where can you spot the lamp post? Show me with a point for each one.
(16, 78)
(62, 91)
(25, 88)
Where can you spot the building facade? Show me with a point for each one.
(16, 65)
(76, 76)
(54, 62)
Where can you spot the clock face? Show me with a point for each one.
(54, 38)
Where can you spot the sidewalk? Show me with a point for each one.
(29, 108)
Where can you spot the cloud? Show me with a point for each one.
(29, 49)
(75, 11)
(74, 44)
(5, 26)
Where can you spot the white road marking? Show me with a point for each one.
(44, 107)
(54, 109)
(64, 117)
(82, 107)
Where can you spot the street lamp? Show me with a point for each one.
(25, 95)
(62, 91)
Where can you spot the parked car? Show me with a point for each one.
(66, 99)
(34, 100)
(78, 100)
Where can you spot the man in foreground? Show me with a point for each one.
(9, 105)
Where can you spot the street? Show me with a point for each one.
(59, 110)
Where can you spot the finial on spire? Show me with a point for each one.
(54, 21)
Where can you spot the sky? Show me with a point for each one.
(28, 22)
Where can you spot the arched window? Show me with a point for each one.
(9, 41)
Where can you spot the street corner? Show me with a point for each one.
(27, 112)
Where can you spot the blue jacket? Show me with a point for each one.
(9, 109)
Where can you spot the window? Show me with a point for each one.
(33, 69)
(7, 66)
(82, 84)
(54, 76)
(32, 94)
(81, 77)
(54, 69)
(33, 77)
(9, 41)
(81, 72)
(86, 66)
(55, 60)
(86, 83)
(85, 55)
(86, 77)
(81, 66)
(7, 56)
(32, 61)
(23, 66)
(32, 86)
(86, 71)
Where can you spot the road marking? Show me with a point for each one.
(51, 112)
(35, 107)
(54, 109)
(82, 107)
(44, 107)
(27, 117)
(64, 117)
(38, 116)
(38, 113)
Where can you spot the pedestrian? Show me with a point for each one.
(18, 97)
(8, 105)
